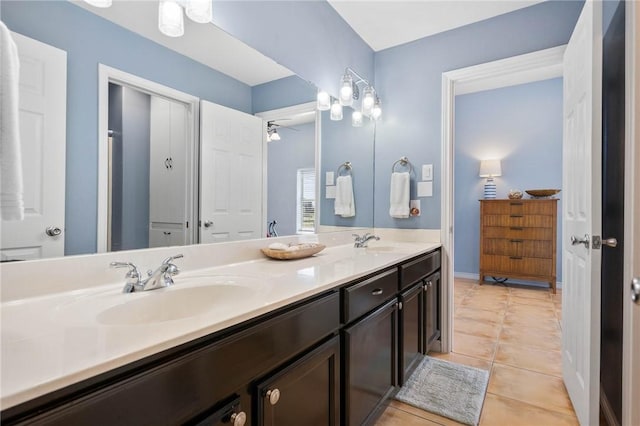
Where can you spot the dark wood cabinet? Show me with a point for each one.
(411, 314)
(370, 363)
(306, 392)
(432, 311)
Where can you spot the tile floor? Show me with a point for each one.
(514, 332)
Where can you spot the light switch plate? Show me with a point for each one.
(329, 179)
(425, 189)
(427, 172)
(330, 192)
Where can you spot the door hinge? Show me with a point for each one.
(187, 224)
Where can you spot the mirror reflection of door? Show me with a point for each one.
(147, 174)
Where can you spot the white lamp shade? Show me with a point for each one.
(275, 136)
(170, 18)
(99, 3)
(200, 11)
(356, 119)
(336, 111)
(376, 111)
(490, 168)
(368, 100)
(346, 90)
(323, 101)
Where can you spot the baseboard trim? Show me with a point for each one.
(472, 276)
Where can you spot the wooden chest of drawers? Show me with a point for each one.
(518, 239)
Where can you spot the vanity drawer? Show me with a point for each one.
(364, 296)
(417, 269)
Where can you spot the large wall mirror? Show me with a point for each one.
(141, 202)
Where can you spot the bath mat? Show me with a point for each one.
(450, 390)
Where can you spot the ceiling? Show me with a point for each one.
(387, 23)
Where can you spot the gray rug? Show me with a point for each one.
(450, 390)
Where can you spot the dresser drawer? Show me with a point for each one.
(520, 207)
(411, 272)
(493, 264)
(518, 247)
(518, 220)
(518, 232)
(363, 297)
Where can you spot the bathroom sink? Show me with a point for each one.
(173, 304)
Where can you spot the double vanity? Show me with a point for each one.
(317, 341)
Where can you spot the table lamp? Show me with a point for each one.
(489, 169)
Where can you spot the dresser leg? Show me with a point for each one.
(552, 284)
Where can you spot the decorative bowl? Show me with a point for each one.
(304, 250)
(515, 194)
(542, 192)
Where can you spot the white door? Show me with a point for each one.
(231, 175)
(168, 173)
(582, 170)
(43, 106)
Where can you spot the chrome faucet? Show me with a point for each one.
(161, 277)
(360, 242)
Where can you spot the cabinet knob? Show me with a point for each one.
(239, 419)
(429, 284)
(273, 395)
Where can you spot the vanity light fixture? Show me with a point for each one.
(336, 110)
(323, 101)
(346, 90)
(376, 111)
(272, 131)
(368, 101)
(356, 118)
(170, 18)
(200, 11)
(99, 3)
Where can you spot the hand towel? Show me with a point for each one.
(399, 196)
(11, 189)
(344, 204)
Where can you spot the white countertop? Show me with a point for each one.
(57, 339)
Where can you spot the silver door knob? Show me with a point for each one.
(239, 419)
(575, 240)
(53, 231)
(610, 242)
(635, 289)
(273, 395)
(208, 224)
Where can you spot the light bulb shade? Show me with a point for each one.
(336, 111)
(356, 119)
(490, 168)
(99, 3)
(200, 11)
(368, 100)
(170, 18)
(274, 135)
(346, 90)
(323, 101)
(376, 111)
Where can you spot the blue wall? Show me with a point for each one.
(89, 40)
(522, 126)
(342, 142)
(282, 93)
(307, 36)
(409, 80)
(295, 150)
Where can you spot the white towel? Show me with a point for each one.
(399, 196)
(344, 204)
(11, 200)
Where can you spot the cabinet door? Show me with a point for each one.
(167, 236)
(370, 363)
(410, 338)
(432, 311)
(306, 392)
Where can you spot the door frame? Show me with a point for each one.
(108, 75)
(279, 113)
(631, 328)
(530, 67)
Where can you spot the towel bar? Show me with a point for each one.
(346, 165)
(404, 161)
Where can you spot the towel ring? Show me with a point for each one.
(404, 161)
(347, 166)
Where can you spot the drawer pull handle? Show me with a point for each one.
(516, 228)
(517, 241)
(376, 292)
(515, 204)
(517, 215)
(515, 257)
